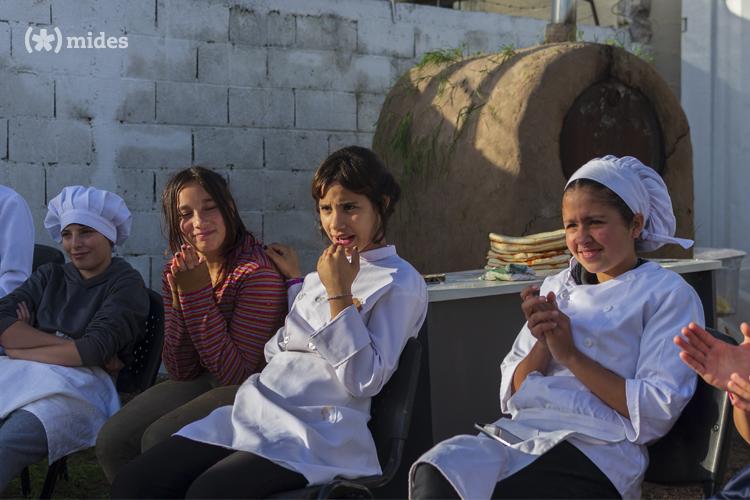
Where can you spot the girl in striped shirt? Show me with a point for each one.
(223, 300)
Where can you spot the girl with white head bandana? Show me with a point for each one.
(643, 191)
(592, 377)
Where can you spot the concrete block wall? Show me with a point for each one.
(260, 90)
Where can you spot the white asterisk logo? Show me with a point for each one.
(43, 40)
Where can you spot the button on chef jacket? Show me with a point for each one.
(627, 325)
(309, 407)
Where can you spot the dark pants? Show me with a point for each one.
(183, 468)
(156, 414)
(562, 472)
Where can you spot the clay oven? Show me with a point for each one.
(487, 143)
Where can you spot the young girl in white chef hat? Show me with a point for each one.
(60, 328)
(593, 376)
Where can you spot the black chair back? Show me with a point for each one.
(696, 449)
(391, 412)
(44, 254)
(141, 373)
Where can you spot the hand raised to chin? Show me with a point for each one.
(336, 272)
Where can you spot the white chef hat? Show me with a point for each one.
(643, 191)
(96, 208)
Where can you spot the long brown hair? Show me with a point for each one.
(216, 186)
(360, 171)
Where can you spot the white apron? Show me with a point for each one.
(71, 403)
(309, 407)
(626, 324)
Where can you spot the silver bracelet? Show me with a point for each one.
(336, 297)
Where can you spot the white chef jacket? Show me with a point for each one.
(309, 407)
(72, 403)
(627, 325)
(16, 240)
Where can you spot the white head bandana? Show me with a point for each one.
(643, 191)
(96, 208)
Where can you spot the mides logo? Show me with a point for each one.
(53, 41)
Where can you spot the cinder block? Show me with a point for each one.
(157, 268)
(298, 228)
(372, 74)
(137, 101)
(137, 188)
(327, 32)
(225, 63)
(368, 111)
(152, 146)
(3, 139)
(261, 107)
(324, 110)
(281, 29)
(193, 19)
(41, 235)
(26, 11)
(247, 188)
(154, 58)
(385, 38)
(191, 103)
(147, 237)
(61, 175)
(437, 38)
(26, 95)
(296, 150)
(163, 176)
(228, 148)
(141, 263)
(44, 140)
(105, 99)
(308, 259)
(250, 27)
(253, 222)
(344, 139)
(288, 190)
(26, 179)
(307, 69)
(246, 26)
(4, 39)
(114, 18)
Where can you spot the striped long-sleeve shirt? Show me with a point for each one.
(224, 329)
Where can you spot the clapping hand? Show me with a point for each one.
(532, 304)
(714, 360)
(185, 260)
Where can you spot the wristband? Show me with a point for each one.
(342, 296)
(291, 282)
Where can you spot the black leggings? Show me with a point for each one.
(183, 468)
(562, 472)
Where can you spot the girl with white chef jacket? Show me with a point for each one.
(303, 419)
(593, 376)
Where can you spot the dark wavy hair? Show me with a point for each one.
(216, 186)
(359, 170)
(605, 195)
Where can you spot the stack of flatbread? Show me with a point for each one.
(541, 251)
